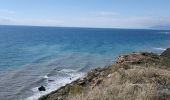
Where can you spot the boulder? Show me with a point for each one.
(41, 88)
(59, 98)
(166, 53)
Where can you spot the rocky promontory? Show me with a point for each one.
(166, 53)
(137, 76)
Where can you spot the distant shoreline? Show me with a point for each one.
(88, 27)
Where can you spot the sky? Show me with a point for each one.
(86, 13)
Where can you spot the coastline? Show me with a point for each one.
(100, 79)
(26, 61)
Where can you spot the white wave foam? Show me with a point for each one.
(45, 77)
(167, 32)
(68, 70)
(162, 49)
(58, 82)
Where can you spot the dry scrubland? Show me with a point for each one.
(137, 76)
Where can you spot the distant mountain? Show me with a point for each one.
(162, 27)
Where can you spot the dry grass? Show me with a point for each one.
(136, 83)
(144, 76)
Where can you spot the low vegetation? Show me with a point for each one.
(138, 76)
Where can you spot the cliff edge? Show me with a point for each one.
(137, 76)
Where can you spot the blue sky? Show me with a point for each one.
(86, 13)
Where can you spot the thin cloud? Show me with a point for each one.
(6, 21)
(115, 20)
(30, 21)
(7, 12)
(104, 14)
(106, 19)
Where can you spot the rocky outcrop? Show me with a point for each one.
(41, 88)
(137, 76)
(166, 53)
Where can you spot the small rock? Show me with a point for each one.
(120, 60)
(82, 83)
(96, 82)
(50, 80)
(41, 88)
(110, 75)
(60, 98)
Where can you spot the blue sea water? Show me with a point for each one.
(29, 54)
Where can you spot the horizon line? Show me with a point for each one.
(82, 27)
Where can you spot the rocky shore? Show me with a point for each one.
(137, 76)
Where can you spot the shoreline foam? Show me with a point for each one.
(161, 49)
(57, 83)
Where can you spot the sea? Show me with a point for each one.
(32, 55)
